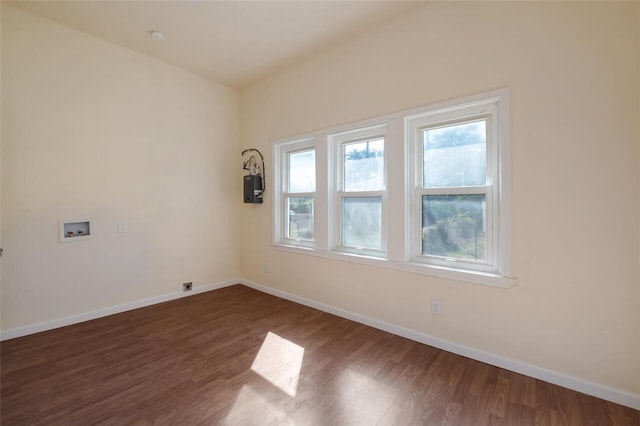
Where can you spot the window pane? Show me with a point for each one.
(364, 165)
(455, 155)
(361, 222)
(300, 218)
(302, 171)
(454, 226)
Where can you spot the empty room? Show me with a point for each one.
(320, 213)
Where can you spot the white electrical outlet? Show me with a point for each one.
(436, 307)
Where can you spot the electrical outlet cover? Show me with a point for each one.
(436, 307)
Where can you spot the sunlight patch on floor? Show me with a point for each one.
(360, 398)
(252, 407)
(279, 361)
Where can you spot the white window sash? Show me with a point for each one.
(337, 141)
(415, 126)
(281, 185)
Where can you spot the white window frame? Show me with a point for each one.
(402, 201)
(494, 109)
(282, 153)
(338, 142)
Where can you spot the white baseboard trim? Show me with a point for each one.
(600, 391)
(87, 316)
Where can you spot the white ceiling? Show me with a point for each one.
(233, 42)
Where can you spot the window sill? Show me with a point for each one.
(475, 277)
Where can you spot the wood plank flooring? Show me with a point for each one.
(237, 356)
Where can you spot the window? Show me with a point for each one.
(425, 191)
(298, 195)
(360, 191)
(456, 187)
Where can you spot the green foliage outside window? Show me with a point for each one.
(453, 226)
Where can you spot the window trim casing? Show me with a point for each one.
(399, 244)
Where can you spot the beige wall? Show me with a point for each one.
(573, 72)
(90, 129)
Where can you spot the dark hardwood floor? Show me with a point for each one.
(240, 357)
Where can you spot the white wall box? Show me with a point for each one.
(74, 230)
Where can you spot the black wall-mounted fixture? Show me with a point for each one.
(254, 182)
